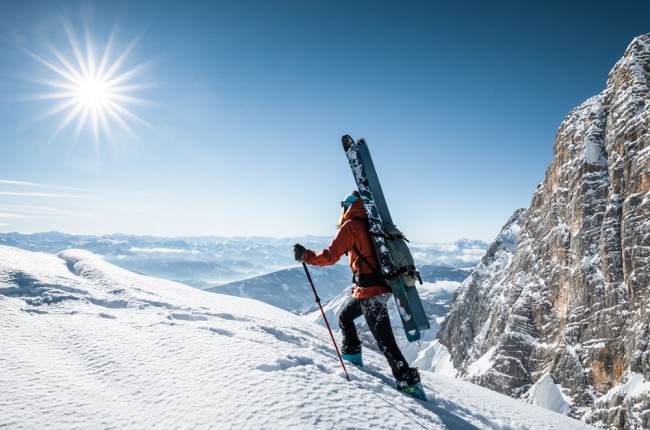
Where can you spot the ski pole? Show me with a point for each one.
(325, 319)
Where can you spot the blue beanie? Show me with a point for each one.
(349, 199)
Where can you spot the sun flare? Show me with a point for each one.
(90, 92)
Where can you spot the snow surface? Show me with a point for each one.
(86, 344)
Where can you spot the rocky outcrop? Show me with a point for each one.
(469, 331)
(572, 301)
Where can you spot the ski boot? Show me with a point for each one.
(354, 357)
(409, 383)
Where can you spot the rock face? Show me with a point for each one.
(571, 301)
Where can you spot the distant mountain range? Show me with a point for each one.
(206, 262)
(198, 261)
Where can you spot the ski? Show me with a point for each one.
(395, 258)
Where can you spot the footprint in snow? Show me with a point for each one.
(107, 316)
(220, 331)
(282, 336)
(286, 363)
(186, 317)
(34, 311)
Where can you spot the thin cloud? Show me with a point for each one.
(34, 184)
(56, 195)
(24, 211)
(92, 192)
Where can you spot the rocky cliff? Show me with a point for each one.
(569, 303)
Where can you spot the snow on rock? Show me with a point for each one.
(633, 394)
(88, 345)
(468, 330)
(482, 365)
(547, 394)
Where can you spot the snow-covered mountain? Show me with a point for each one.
(561, 301)
(464, 253)
(86, 344)
(441, 272)
(289, 289)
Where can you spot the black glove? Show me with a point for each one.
(298, 250)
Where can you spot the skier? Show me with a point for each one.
(370, 291)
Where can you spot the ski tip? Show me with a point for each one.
(361, 141)
(347, 142)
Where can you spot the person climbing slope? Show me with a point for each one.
(370, 292)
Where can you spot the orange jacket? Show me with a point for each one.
(353, 233)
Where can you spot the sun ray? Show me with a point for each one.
(129, 74)
(95, 125)
(51, 96)
(61, 72)
(73, 112)
(60, 107)
(104, 123)
(129, 114)
(76, 49)
(73, 74)
(70, 86)
(90, 54)
(130, 100)
(117, 64)
(117, 118)
(106, 55)
(81, 123)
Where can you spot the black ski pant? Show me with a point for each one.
(376, 314)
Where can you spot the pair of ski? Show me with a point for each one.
(395, 259)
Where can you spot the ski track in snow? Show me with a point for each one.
(88, 345)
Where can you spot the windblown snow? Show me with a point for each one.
(85, 344)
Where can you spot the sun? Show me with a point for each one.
(94, 92)
(92, 89)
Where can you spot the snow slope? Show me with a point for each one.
(86, 344)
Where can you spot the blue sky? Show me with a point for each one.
(232, 112)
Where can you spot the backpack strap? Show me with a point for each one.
(364, 259)
(368, 279)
